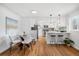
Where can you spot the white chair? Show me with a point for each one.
(60, 39)
(53, 39)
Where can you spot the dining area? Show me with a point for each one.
(18, 44)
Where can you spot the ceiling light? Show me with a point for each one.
(34, 12)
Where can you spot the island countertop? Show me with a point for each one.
(56, 32)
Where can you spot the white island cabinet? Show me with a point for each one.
(56, 37)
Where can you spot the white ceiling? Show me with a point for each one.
(43, 9)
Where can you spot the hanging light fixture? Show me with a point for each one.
(50, 20)
(58, 22)
(59, 19)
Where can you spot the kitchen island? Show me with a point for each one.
(53, 37)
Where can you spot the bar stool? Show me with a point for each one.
(53, 39)
(60, 39)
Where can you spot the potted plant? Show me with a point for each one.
(68, 42)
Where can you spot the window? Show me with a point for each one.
(75, 23)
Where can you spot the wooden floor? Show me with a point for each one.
(42, 49)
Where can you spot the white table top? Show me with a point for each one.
(16, 41)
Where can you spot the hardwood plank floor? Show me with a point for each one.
(43, 49)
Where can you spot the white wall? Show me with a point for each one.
(74, 33)
(75, 37)
(27, 22)
(3, 13)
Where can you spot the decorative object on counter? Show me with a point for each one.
(24, 34)
(68, 42)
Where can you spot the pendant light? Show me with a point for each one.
(59, 19)
(50, 18)
(50, 25)
(58, 22)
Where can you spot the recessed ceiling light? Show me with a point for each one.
(34, 12)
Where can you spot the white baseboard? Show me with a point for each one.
(76, 47)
